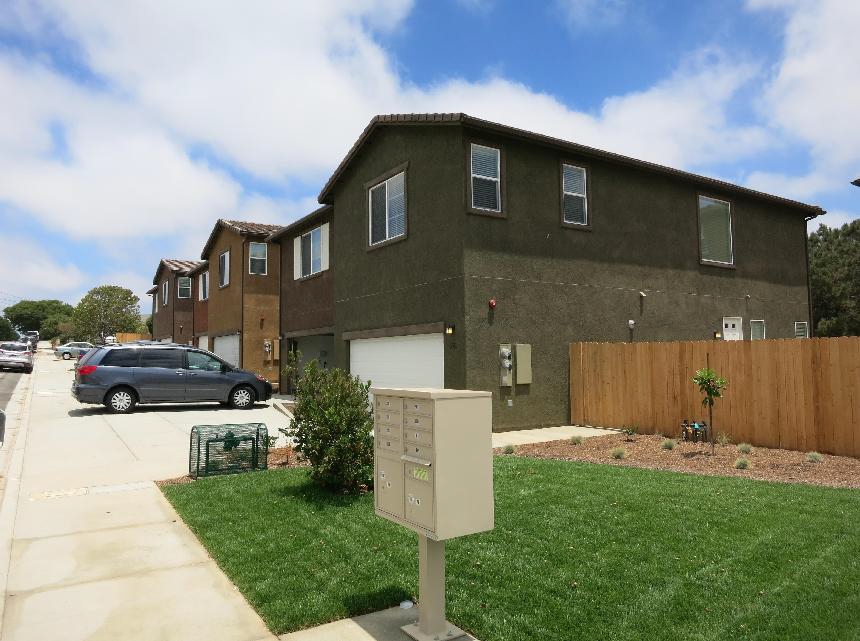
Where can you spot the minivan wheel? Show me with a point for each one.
(121, 400)
(242, 398)
(66, 356)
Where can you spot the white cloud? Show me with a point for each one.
(27, 268)
(590, 14)
(833, 219)
(813, 96)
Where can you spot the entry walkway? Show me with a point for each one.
(544, 434)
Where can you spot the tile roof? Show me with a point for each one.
(275, 236)
(443, 119)
(241, 227)
(176, 265)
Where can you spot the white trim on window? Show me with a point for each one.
(583, 194)
(252, 258)
(753, 324)
(224, 269)
(165, 289)
(801, 329)
(310, 265)
(497, 179)
(203, 286)
(390, 187)
(731, 247)
(183, 283)
(155, 302)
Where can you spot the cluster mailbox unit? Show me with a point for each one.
(433, 465)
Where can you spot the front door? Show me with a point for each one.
(161, 375)
(205, 379)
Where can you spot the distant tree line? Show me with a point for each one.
(834, 279)
(103, 311)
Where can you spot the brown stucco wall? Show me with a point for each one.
(261, 310)
(201, 307)
(225, 303)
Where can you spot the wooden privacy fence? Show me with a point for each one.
(129, 337)
(798, 394)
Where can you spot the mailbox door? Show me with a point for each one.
(419, 502)
(388, 486)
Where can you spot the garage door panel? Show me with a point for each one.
(227, 347)
(203, 342)
(399, 361)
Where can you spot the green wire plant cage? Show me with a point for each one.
(227, 449)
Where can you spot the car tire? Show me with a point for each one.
(66, 356)
(121, 400)
(243, 397)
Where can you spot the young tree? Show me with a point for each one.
(52, 327)
(7, 332)
(106, 310)
(712, 387)
(28, 315)
(834, 279)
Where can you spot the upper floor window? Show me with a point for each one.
(486, 178)
(224, 269)
(204, 286)
(387, 203)
(574, 201)
(715, 231)
(155, 303)
(183, 287)
(258, 255)
(164, 288)
(310, 252)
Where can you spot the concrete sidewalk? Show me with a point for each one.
(95, 551)
(544, 434)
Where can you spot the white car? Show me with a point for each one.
(16, 356)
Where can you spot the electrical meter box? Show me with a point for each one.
(433, 460)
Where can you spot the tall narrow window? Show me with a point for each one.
(757, 332)
(486, 178)
(204, 286)
(258, 254)
(224, 269)
(312, 252)
(574, 202)
(387, 202)
(183, 287)
(715, 230)
(164, 288)
(801, 329)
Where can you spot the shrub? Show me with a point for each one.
(668, 444)
(575, 440)
(618, 453)
(630, 432)
(508, 449)
(745, 448)
(814, 457)
(332, 427)
(742, 464)
(724, 439)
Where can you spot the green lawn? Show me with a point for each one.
(579, 551)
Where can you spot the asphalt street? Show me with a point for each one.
(8, 381)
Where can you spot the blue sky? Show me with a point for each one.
(130, 128)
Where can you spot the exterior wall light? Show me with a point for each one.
(718, 335)
(449, 329)
(492, 303)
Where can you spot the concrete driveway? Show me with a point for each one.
(95, 551)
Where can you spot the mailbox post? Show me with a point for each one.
(433, 473)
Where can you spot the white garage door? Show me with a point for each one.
(399, 361)
(203, 341)
(227, 347)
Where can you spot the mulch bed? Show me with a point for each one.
(784, 466)
(278, 457)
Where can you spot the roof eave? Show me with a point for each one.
(277, 235)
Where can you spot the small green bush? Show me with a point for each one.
(333, 428)
(508, 449)
(742, 464)
(576, 440)
(724, 439)
(619, 453)
(745, 448)
(668, 444)
(814, 457)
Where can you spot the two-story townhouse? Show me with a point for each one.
(172, 307)
(242, 308)
(307, 302)
(200, 297)
(456, 236)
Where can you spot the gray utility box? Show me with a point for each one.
(433, 460)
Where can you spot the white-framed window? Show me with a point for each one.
(155, 302)
(203, 283)
(486, 175)
(183, 287)
(715, 231)
(387, 206)
(164, 288)
(311, 249)
(801, 329)
(224, 269)
(258, 258)
(574, 200)
(757, 330)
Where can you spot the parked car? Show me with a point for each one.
(15, 355)
(72, 350)
(121, 376)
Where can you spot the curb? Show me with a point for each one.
(11, 466)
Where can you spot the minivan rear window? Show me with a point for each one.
(168, 358)
(121, 358)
